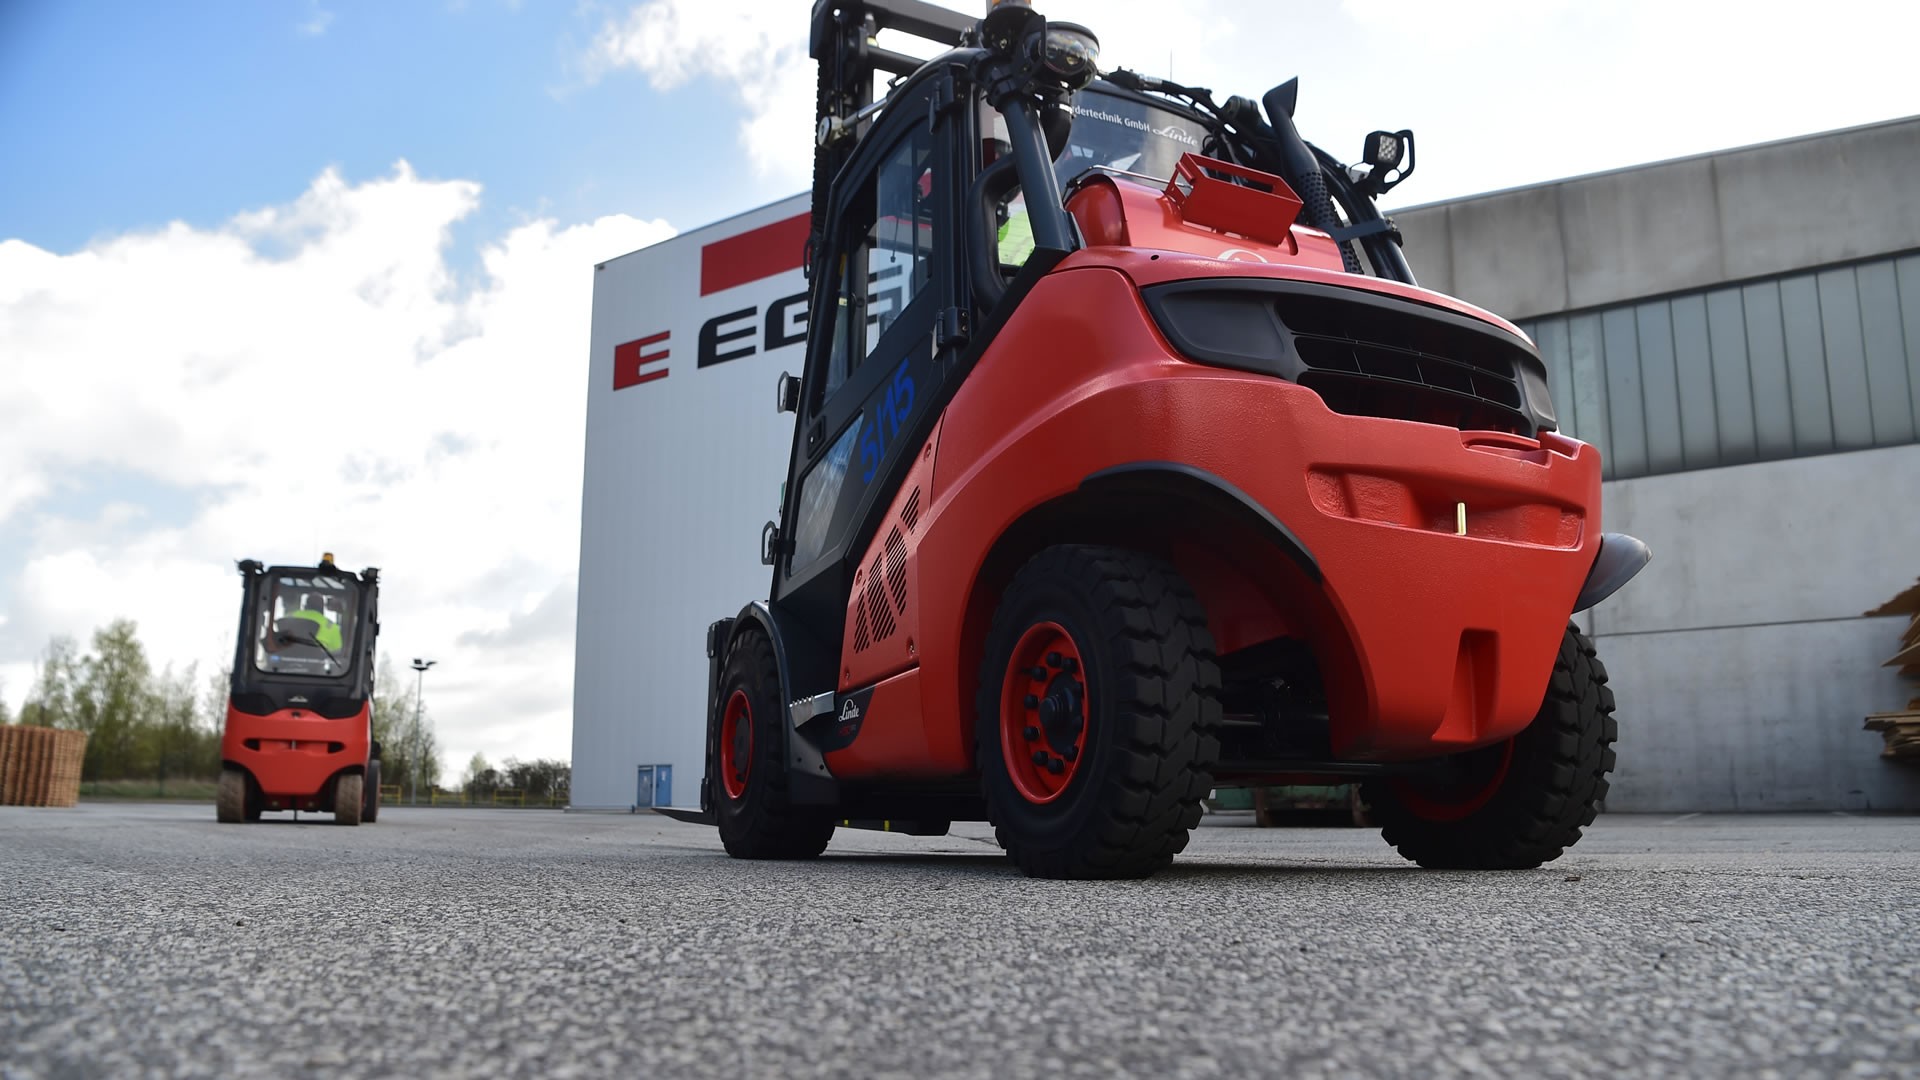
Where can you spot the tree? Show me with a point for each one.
(111, 699)
(402, 730)
(476, 766)
(178, 743)
(51, 701)
(6, 716)
(541, 779)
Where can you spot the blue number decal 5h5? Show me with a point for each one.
(890, 416)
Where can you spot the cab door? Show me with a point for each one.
(875, 360)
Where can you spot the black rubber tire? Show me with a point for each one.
(1153, 714)
(348, 790)
(230, 802)
(1552, 789)
(763, 823)
(370, 797)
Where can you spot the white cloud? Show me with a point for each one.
(1499, 92)
(303, 378)
(317, 25)
(764, 61)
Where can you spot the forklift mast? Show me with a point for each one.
(843, 45)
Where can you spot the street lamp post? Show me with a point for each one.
(419, 688)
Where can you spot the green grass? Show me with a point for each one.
(182, 789)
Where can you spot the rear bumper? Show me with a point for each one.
(1450, 559)
(293, 754)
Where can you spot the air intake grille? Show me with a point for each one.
(1365, 361)
(910, 513)
(1365, 353)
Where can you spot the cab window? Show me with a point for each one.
(887, 261)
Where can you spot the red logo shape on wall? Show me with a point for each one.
(628, 360)
(755, 254)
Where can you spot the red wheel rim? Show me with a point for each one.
(1043, 713)
(736, 745)
(1458, 799)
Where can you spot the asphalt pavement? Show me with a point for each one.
(144, 939)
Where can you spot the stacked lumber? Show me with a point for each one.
(40, 766)
(1901, 730)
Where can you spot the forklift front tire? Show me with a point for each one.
(749, 787)
(370, 801)
(348, 791)
(1523, 802)
(230, 804)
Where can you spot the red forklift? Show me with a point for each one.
(1118, 474)
(298, 734)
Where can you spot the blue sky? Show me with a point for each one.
(136, 114)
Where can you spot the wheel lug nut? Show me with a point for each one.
(1053, 659)
(1040, 757)
(1056, 766)
(1033, 701)
(1070, 664)
(1037, 673)
(1032, 733)
(1071, 753)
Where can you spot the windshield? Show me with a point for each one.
(304, 625)
(1121, 133)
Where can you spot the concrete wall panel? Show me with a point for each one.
(1861, 180)
(1693, 368)
(1806, 366)
(1788, 541)
(1761, 718)
(1907, 272)
(1846, 359)
(1767, 352)
(1659, 387)
(1732, 377)
(1638, 233)
(1674, 226)
(1881, 339)
(1428, 246)
(1498, 257)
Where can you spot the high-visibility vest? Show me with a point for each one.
(328, 635)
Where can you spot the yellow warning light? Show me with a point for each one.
(326, 556)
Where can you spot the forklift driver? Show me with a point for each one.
(315, 610)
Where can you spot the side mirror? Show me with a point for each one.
(786, 395)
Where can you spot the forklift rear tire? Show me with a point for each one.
(1522, 803)
(756, 818)
(348, 791)
(370, 803)
(1098, 712)
(230, 803)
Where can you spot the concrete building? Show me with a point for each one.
(1739, 334)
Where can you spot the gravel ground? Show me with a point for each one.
(145, 940)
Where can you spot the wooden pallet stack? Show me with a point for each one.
(40, 766)
(1901, 730)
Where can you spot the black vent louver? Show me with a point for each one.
(1364, 353)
